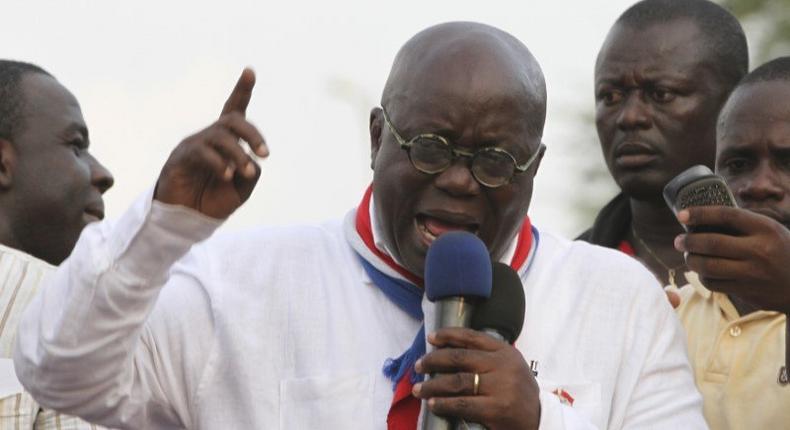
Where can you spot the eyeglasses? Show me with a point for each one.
(490, 166)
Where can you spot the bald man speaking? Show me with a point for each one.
(157, 322)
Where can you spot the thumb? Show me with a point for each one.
(242, 93)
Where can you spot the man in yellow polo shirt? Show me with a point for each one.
(735, 322)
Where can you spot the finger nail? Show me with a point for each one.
(415, 390)
(249, 170)
(431, 402)
(680, 242)
(262, 151)
(432, 337)
(418, 365)
(228, 173)
(683, 216)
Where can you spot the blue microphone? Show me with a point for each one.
(457, 276)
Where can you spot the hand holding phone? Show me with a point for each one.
(698, 186)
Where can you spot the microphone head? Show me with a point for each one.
(457, 264)
(504, 310)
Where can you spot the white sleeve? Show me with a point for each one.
(664, 395)
(84, 346)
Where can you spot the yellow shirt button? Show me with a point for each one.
(735, 331)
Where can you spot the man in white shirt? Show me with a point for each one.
(290, 328)
(50, 188)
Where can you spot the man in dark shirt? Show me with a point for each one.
(662, 75)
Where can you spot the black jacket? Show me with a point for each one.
(611, 225)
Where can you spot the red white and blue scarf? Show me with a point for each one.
(405, 290)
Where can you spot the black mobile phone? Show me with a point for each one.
(698, 186)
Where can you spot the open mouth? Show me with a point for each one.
(431, 227)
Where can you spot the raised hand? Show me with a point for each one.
(507, 396)
(210, 171)
(752, 263)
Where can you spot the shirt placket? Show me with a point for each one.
(729, 339)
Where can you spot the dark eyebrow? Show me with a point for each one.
(648, 78)
(737, 150)
(77, 127)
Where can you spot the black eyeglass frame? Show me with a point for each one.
(455, 152)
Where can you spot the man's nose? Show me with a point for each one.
(101, 177)
(763, 184)
(458, 179)
(634, 112)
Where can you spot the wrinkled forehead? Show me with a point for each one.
(677, 45)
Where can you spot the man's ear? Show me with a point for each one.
(7, 163)
(376, 123)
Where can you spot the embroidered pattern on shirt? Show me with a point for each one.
(564, 396)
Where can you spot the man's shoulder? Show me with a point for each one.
(583, 254)
(10, 257)
(21, 276)
(587, 268)
(610, 224)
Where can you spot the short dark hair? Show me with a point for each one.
(11, 97)
(725, 40)
(777, 69)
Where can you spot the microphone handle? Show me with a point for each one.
(462, 424)
(451, 312)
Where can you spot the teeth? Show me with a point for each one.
(426, 231)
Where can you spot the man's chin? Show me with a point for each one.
(414, 264)
(645, 185)
(412, 256)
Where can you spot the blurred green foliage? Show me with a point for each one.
(767, 26)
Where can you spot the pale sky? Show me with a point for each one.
(149, 73)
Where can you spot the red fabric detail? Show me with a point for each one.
(366, 233)
(565, 397)
(523, 246)
(405, 409)
(626, 247)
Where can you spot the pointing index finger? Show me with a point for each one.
(242, 93)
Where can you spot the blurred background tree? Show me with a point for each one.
(767, 26)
